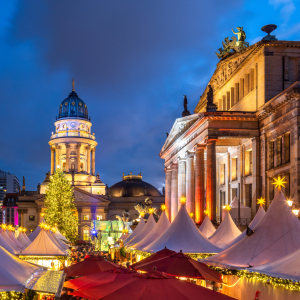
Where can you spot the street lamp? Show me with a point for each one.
(289, 202)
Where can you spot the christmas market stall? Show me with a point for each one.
(44, 252)
(207, 228)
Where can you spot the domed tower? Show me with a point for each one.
(73, 145)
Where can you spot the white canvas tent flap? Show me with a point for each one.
(258, 217)
(136, 231)
(143, 233)
(275, 236)
(9, 241)
(183, 235)
(160, 227)
(26, 238)
(14, 272)
(11, 235)
(207, 228)
(43, 246)
(287, 267)
(22, 240)
(7, 246)
(34, 234)
(226, 232)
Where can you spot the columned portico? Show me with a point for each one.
(88, 151)
(168, 174)
(93, 160)
(211, 178)
(190, 183)
(52, 159)
(181, 179)
(174, 191)
(78, 157)
(67, 158)
(199, 183)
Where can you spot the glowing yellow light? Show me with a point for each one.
(24, 229)
(206, 212)
(261, 201)
(123, 231)
(3, 226)
(182, 200)
(151, 210)
(191, 215)
(42, 214)
(227, 207)
(142, 214)
(42, 225)
(289, 202)
(53, 229)
(279, 182)
(296, 212)
(163, 207)
(10, 228)
(126, 230)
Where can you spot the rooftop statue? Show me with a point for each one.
(236, 43)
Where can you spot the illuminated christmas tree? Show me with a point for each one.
(60, 207)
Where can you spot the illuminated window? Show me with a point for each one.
(234, 169)
(31, 218)
(86, 217)
(99, 218)
(86, 234)
(81, 167)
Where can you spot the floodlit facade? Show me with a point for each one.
(243, 132)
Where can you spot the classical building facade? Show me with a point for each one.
(244, 131)
(73, 148)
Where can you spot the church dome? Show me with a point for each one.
(73, 107)
(133, 186)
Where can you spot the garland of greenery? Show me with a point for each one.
(28, 257)
(278, 282)
(11, 296)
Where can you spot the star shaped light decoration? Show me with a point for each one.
(182, 200)
(206, 212)
(151, 210)
(227, 207)
(142, 214)
(191, 215)
(163, 207)
(261, 201)
(279, 182)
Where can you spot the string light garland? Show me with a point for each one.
(11, 295)
(275, 281)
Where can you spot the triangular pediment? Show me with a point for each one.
(226, 69)
(180, 126)
(83, 196)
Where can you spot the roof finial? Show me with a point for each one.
(73, 85)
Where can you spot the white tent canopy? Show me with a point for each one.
(60, 236)
(14, 272)
(43, 246)
(143, 233)
(183, 235)
(207, 228)
(35, 233)
(226, 232)
(61, 245)
(276, 235)
(160, 227)
(258, 217)
(26, 237)
(136, 231)
(287, 267)
(22, 240)
(11, 235)
(9, 241)
(245, 212)
(7, 246)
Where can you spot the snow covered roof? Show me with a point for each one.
(207, 228)
(287, 267)
(143, 233)
(136, 231)
(14, 272)
(184, 235)
(275, 236)
(43, 246)
(258, 217)
(159, 228)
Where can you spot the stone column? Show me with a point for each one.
(211, 178)
(190, 183)
(57, 156)
(88, 151)
(181, 179)
(168, 173)
(255, 174)
(78, 157)
(174, 191)
(93, 212)
(199, 184)
(93, 161)
(67, 158)
(52, 160)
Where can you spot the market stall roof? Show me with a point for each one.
(34, 234)
(159, 228)
(61, 236)
(124, 236)
(226, 232)
(26, 237)
(235, 204)
(14, 272)
(276, 235)
(11, 235)
(207, 228)
(136, 231)
(287, 267)
(61, 245)
(7, 246)
(22, 240)
(183, 235)
(258, 217)
(9, 241)
(43, 246)
(143, 233)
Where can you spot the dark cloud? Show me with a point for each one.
(132, 62)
